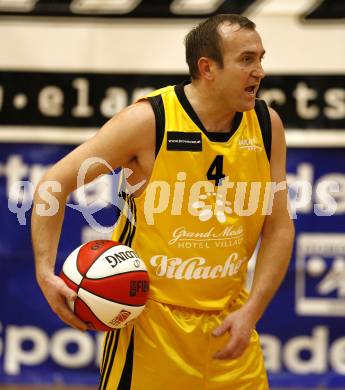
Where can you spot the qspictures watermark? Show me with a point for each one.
(202, 199)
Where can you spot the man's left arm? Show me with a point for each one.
(273, 256)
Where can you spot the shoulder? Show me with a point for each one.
(125, 136)
(278, 148)
(278, 133)
(275, 118)
(132, 123)
(139, 113)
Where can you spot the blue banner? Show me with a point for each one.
(302, 331)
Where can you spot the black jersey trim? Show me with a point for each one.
(264, 119)
(133, 225)
(211, 135)
(126, 377)
(158, 109)
(128, 231)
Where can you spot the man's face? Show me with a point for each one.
(239, 79)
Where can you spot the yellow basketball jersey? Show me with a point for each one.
(198, 221)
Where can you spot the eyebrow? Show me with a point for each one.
(248, 52)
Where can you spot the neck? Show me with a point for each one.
(212, 113)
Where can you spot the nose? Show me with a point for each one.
(259, 71)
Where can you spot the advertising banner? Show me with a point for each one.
(62, 99)
(301, 332)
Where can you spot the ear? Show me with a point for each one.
(205, 67)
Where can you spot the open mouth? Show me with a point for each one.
(251, 90)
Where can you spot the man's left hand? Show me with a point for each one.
(240, 325)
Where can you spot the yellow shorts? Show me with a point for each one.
(171, 348)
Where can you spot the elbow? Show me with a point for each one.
(289, 229)
(286, 233)
(50, 185)
(282, 229)
(48, 197)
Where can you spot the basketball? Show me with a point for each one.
(111, 282)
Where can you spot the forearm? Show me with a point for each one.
(45, 232)
(271, 266)
(272, 262)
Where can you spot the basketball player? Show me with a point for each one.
(207, 149)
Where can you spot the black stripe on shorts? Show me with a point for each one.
(108, 360)
(126, 377)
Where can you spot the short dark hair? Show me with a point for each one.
(204, 40)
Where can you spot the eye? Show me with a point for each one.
(247, 59)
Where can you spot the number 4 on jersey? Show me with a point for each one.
(215, 171)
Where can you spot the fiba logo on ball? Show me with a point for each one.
(111, 282)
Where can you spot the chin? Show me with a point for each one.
(247, 106)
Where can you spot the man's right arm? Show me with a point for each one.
(121, 140)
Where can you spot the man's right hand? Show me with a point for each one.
(56, 293)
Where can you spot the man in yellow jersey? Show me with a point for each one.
(208, 151)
